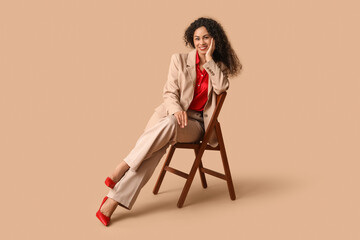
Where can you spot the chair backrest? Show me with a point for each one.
(213, 121)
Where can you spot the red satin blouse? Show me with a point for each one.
(201, 87)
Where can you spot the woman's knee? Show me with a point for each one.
(172, 121)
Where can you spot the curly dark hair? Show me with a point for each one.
(223, 51)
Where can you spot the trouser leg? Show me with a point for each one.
(128, 188)
(148, 151)
(166, 131)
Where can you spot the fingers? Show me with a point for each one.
(181, 118)
(177, 118)
(185, 118)
(211, 49)
(212, 44)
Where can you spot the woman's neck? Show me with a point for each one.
(202, 59)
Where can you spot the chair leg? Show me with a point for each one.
(190, 178)
(163, 171)
(225, 162)
(202, 175)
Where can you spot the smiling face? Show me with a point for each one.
(202, 40)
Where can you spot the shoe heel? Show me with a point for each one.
(104, 219)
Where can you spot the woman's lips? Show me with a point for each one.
(202, 49)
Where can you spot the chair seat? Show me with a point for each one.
(195, 146)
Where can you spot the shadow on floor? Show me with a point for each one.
(216, 191)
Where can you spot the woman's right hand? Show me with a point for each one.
(181, 117)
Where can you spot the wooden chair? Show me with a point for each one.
(199, 149)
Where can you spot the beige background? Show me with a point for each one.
(79, 80)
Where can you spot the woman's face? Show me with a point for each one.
(202, 40)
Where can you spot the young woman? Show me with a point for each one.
(189, 94)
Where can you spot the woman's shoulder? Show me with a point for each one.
(179, 56)
(179, 59)
(185, 55)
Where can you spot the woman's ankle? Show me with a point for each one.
(109, 207)
(119, 172)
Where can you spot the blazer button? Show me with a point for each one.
(205, 115)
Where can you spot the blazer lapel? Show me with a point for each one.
(191, 68)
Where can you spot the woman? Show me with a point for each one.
(189, 94)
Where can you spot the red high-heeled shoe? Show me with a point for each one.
(110, 183)
(104, 219)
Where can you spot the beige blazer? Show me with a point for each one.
(179, 88)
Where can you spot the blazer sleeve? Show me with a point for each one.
(219, 78)
(171, 91)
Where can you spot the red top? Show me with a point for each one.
(201, 87)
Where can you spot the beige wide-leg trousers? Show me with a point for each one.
(149, 149)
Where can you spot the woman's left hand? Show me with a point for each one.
(210, 51)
